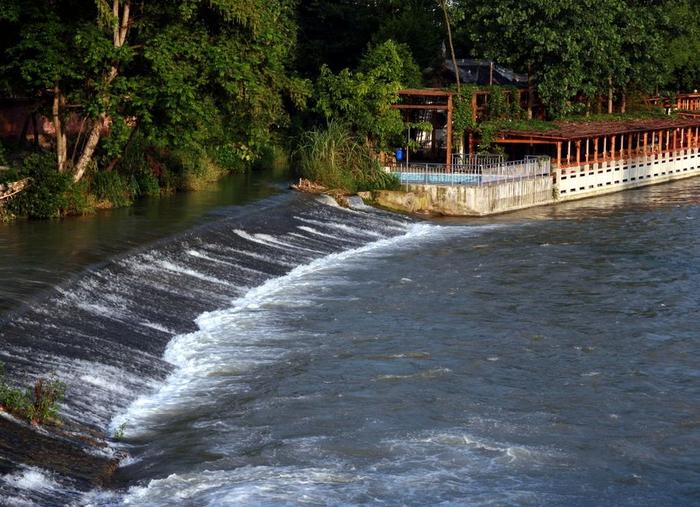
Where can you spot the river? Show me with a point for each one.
(290, 352)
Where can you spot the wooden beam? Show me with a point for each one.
(427, 107)
(503, 140)
(425, 92)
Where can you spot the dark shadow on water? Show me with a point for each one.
(39, 254)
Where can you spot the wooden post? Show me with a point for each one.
(675, 139)
(646, 138)
(605, 148)
(595, 151)
(668, 140)
(449, 134)
(578, 152)
(568, 153)
(682, 139)
(613, 141)
(559, 154)
(474, 116)
(629, 146)
(588, 145)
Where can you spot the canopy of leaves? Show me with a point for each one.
(362, 99)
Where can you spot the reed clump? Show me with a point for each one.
(337, 159)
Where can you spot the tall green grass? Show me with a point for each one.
(336, 159)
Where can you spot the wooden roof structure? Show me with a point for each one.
(432, 99)
(571, 131)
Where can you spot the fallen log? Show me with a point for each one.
(14, 187)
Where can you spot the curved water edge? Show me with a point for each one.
(355, 357)
(104, 333)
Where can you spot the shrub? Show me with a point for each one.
(38, 405)
(112, 189)
(334, 158)
(273, 157)
(3, 154)
(46, 197)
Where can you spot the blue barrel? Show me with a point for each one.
(399, 154)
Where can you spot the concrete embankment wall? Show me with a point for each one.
(587, 180)
(468, 200)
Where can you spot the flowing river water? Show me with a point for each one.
(291, 352)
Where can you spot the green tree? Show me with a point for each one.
(187, 75)
(681, 45)
(362, 99)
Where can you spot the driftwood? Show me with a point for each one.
(308, 186)
(14, 187)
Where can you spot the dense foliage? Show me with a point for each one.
(171, 94)
(209, 78)
(362, 99)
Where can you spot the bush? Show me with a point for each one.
(334, 158)
(195, 170)
(3, 154)
(273, 157)
(47, 196)
(111, 189)
(38, 405)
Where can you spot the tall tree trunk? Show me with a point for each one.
(61, 144)
(449, 39)
(623, 103)
(610, 95)
(120, 31)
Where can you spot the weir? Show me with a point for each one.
(105, 332)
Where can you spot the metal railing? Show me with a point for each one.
(479, 158)
(474, 173)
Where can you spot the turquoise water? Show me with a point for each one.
(437, 178)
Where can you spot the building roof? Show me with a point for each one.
(568, 130)
(485, 72)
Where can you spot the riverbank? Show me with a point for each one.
(143, 172)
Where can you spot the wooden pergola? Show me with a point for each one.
(593, 142)
(688, 102)
(431, 99)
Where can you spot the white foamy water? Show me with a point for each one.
(227, 341)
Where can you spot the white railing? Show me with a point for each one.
(474, 173)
